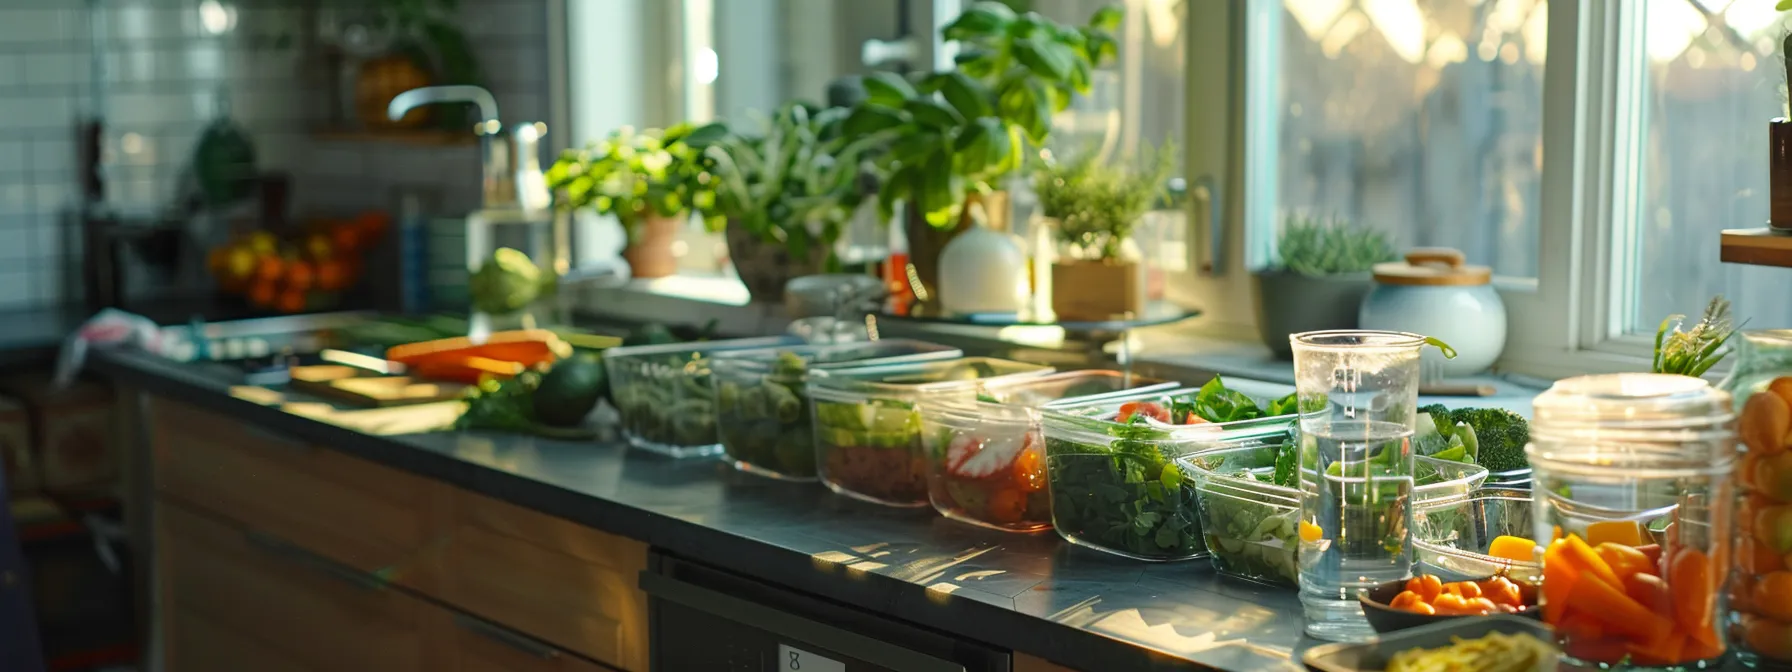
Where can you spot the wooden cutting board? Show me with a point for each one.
(366, 388)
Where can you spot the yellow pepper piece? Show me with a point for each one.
(1621, 532)
(1517, 549)
(1310, 533)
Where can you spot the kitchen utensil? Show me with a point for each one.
(1433, 292)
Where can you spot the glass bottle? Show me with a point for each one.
(1632, 500)
(1760, 614)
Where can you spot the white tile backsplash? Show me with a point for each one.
(30, 26)
(15, 285)
(56, 69)
(15, 243)
(36, 111)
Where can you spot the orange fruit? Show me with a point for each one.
(318, 247)
(268, 269)
(332, 275)
(345, 239)
(300, 276)
(291, 301)
(263, 294)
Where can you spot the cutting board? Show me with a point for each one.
(361, 387)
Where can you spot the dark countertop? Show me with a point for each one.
(1035, 594)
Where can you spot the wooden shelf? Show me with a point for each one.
(1757, 247)
(418, 138)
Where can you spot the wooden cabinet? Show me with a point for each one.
(567, 584)
(272, 555)
(258, 596)
(362, 514)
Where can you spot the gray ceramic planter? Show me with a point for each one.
(1290, 303)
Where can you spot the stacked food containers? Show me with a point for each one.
(763, 417)
(1632, 488)
(868, 427)
(986, 459)
(1454, 536)
(664, 394)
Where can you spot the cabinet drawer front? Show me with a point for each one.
(563, 583)
(200, 643)
(475, 645)
(359, 513)
(281, 599)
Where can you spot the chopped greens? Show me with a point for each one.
(1122, 492)
(1214, 402)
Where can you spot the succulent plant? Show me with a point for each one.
(1317, 248)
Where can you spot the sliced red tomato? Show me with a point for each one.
(1145, 408)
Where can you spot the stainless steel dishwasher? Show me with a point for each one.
(705, 618)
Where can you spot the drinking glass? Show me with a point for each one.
(1358, 393)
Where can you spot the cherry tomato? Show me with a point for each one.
(1427, 586)
(1145, 408)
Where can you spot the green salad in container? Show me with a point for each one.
(1250, 501)
(763, 416)
(868, 442)
(1112, 472)
(664, 395)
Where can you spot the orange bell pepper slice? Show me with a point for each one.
(1559, 576)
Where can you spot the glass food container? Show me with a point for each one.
(1452, 535)
(1632, 487)
(664, 396)
(763, 417)
(1250, 512)
(986, 460)
(868, 430)
(1760, 618)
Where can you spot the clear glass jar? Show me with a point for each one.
(1632, 488)
(1760, 618)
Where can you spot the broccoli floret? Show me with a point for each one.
(1501, 435)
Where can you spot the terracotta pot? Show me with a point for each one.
(649, 252)
(925, 241)
(765, 267)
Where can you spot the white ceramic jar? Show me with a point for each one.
(982, 271)
(1433, 292)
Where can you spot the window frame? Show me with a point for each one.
(1571, 318)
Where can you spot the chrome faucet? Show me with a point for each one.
(512, 178)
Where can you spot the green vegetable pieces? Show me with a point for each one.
(763, 417)
(1215, 403)
(1495, 437)
(1125, 495)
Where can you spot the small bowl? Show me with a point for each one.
(1387, 619)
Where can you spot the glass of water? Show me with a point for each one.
(1358, 393)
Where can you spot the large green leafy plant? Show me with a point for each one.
(1097, 205)
(633, 174)
(1317, 248)
(967, 128)
(795, 183)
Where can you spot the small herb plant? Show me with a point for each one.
(795, 183)
(1317, 248)
(966, 129)
(632, 175)
(1098, 206)
(1693, 352)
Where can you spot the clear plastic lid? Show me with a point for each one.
(1633, 420)
(917, 377)
(682, 350)
(1072, 387)
(837, 355)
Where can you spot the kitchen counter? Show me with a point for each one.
(1034, 594)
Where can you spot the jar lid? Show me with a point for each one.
(1433, 266)
(1632, 401)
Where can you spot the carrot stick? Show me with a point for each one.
(1616, 611)
(1578, 552)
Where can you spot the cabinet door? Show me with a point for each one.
(568, 585)
(468, 644)
(358, 513)
(255, 595)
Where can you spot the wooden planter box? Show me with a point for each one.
(1088, 291)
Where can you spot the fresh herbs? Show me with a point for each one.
(1097, 206)
(1122, 491)
(1214, 402)
(632, 175)
(1693, 352)
(1316, 248)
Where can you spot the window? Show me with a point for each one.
(1423, 119)
(1588, 150)
(1713, 76)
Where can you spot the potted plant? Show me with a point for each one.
(787, 193)
(960, 134)
(1320, 279)
(1093, 209)
(650, 181)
